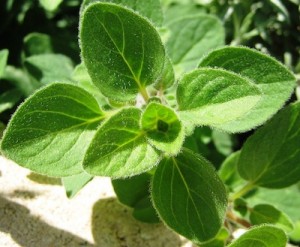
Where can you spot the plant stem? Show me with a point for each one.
(244, 190)
(144, 93)
(238, 220)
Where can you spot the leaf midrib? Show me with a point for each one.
(55, 132)
(189, 194)
(140, 135)
(196, 109)
(121, 52)
(256, 181)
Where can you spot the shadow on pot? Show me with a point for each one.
(114, 226)
(30, 231)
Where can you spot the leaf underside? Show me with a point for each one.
(274, 80)
(213, 97)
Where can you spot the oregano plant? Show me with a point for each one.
(131, 108)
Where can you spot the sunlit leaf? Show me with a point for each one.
(51, 130)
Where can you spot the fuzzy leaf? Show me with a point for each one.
(119, 148)
(150, 8)
(121, 50)
(48, 68)
(73, 184)
(261, 236)
(191, 37)
(270, 158)
(274, 80)
(189, 196)
(265, 213)
(3, 60)
(51, 130)
(214, 97)
(163, 128)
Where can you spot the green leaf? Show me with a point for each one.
(189, 196)
(181, 10)
(240, 206)
(286, 200)
(163, 128)
(121, 50)
(134, 192)
(83, 79)
(119, 148)
(219, 240)
(21, 80)
(9, 98)
(37, 43)
(48, 68)
(274, 80)
(3, 60)
(261, 236)
(131, 190)
(270, 157)
(73, 184)
(150, 8)
(223, 141)
(167, 78)
(145, 212)
(191, 37)
(265, 213)
(214, 97)
(51, 130)
(295, 235)
(228, 171)
(50, 5)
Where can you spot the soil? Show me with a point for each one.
(35, 212)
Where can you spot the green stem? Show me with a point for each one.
(144, 93)
(244, 190)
